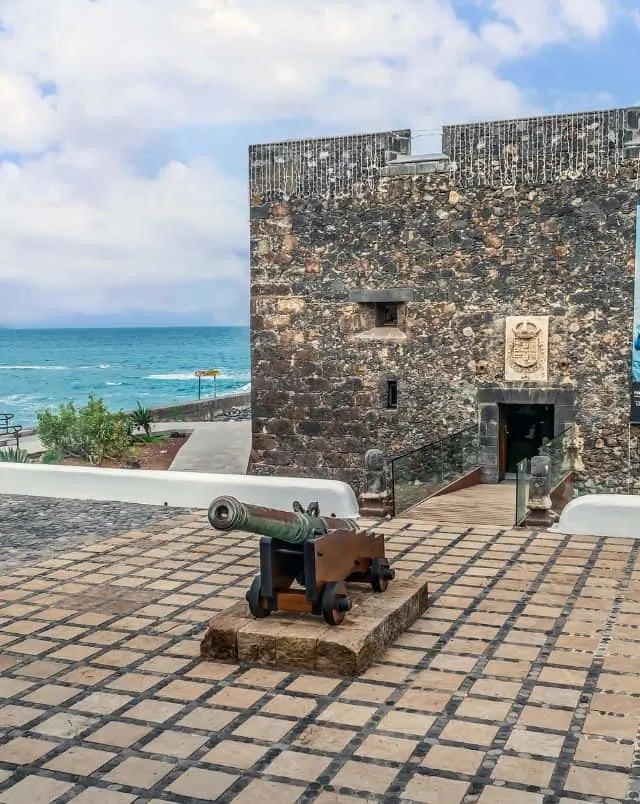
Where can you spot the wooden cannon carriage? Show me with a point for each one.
(320, 554)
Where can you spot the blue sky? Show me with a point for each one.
(125, 124)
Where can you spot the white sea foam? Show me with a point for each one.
(34, 368)
(175, 377)
(13, 399)
(113, 383)
(182, 376)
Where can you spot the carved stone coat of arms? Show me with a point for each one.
(526, 349)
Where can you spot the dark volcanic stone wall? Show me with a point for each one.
(471, 256)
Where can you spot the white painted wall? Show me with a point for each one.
(601, 515)
(174, 489)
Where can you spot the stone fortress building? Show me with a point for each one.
(396, 298)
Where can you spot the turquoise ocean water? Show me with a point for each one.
(41, 368)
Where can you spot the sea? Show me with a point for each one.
(41, 368)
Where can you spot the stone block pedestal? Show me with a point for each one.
(375, 506)
(302, 641)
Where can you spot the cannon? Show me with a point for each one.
(320, 554)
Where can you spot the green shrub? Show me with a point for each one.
(51, 456)
(90, 433)
(13, 455)
(152, 438)
(142, 418)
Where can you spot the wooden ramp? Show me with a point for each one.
(478, 505)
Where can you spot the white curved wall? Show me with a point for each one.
(601, 515)
(174, 489)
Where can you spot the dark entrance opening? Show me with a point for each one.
(392, 394)
(523, 430)
(387, 314)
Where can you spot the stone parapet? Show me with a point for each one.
(538, 150)
(202, 410)
(324, 166)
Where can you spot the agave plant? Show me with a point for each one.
(141, 418)
(13, 455)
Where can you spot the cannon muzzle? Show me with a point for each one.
(294, 527)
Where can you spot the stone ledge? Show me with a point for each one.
(381, 334)
(382, 296)
(416, 168)
(299, 641)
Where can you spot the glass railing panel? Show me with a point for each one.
(554, 450)
(423, 471)
(415, 475)
(523, 477)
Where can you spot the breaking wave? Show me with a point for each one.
(34, 368)
(5, 367)
(176, 377)
(182, 376)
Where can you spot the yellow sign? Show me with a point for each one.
(208, 373)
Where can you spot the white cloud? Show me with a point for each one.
(521, 26)
(78, 223)
(589, 17)
(29, 120)
(72, 221)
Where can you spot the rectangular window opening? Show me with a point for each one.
(387, 314)
(392, 394)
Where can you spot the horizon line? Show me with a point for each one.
(23, 328)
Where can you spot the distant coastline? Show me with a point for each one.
(41, 368)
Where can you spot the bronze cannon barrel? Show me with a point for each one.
(228, 513)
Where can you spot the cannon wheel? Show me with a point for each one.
(335, 603)
(254, 600)
(381, 574)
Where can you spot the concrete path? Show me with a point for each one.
(216, 447)
(221, 447)
(29, 443)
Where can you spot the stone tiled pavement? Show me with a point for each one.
(520, 685)
(33, 528)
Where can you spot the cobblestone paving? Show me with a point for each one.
(521, 685)
(34, 527)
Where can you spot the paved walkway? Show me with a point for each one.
(520, 685)
(36, 528)
(31, 443)
(221, 447)
(215, 447)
